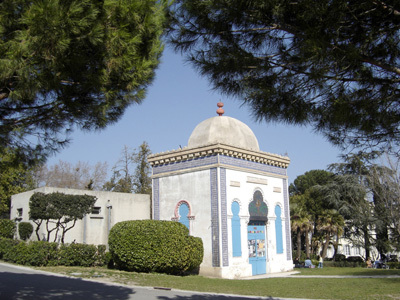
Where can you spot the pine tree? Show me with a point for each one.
(334, 65)
(67, 64)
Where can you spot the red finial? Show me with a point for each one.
(220, 110)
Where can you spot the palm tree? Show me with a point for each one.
(331, 223)
(301, 224)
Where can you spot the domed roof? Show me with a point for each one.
(223, 130)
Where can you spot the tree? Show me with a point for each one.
(122, 179)
(82, 175)
(385, 182)
(142, 180)
(307, 205)
(57, 210)
(331, 223)
(349, 197)
(73, 64)
(15, 177)
(334, 65)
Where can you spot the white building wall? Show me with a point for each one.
(93, 229)
(194, 188)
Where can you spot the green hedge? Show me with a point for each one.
(42, 253)
(154, 246)
(7, 228)
(394, 265)
(25, 230)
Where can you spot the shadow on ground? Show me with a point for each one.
(39, 286)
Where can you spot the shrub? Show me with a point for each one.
(339, 257)
(356, 259)
(25, 230)
(7, 228)
(6, 245)
(42, 253)
(17, 253)
(78, 255)
(154, 246)
(394, 265)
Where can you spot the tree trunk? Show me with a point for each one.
(326, 245)
(366, 242)
(307, 243)
(298, 243)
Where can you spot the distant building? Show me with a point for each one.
(109, 209)
(230, 194)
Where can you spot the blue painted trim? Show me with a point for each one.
(214, 218)
(156, 199)
(287, 220)
(236, 234)
(278, 230)
(224, 218)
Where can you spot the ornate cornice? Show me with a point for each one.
(184, 154)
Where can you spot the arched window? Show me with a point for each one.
(278, 229)
(236, 237)
(183, 213)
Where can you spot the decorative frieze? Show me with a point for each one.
(210, 150)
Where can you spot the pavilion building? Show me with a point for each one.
(230, 194)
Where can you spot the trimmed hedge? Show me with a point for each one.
(25, 230)
(42, 253)
(154, 246)
(7, 228)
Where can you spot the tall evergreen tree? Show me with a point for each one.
(141, 179)
(67, 64)
(334, 65)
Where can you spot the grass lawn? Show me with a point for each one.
(310, 288)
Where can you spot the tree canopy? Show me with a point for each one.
(67, 64)
(334, 65)
(57, 210)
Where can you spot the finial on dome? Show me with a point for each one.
(220, 110)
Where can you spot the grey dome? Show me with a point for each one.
(223, 130)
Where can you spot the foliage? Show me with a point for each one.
(385, 183)
(6, 245)
(331, 64)
(122, 178)
(82, 175)
(7, 228)
(25, 230)
(57, 210)
(73, 64)
(15, 177)
(42, 253)
(154, 246)
(141, 179)
(78, 255)
(127, 181)
(307, 206)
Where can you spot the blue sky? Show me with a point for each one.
(176, 102)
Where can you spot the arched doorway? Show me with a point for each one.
(256, 234)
